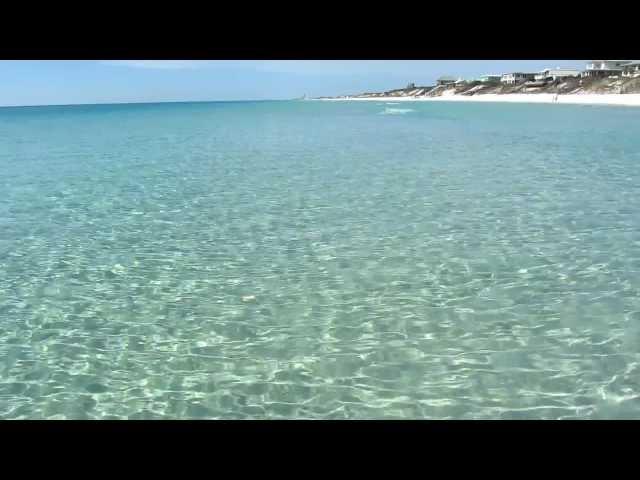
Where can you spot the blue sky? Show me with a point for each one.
(56, 82)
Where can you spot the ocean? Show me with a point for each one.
(320, 260)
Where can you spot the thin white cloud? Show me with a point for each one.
(158, 64)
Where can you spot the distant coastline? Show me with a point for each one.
(603, 82)
(621, 99)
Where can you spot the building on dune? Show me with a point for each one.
(517, 77)
(604, 68)
(556, 74)
(446, 80)
(631, 69)
(490, 78)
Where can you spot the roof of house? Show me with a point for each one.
(609, 69)
(559, 68)
(619, 64)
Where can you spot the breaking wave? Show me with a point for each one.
(396, 111)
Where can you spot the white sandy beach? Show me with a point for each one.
(623, 99)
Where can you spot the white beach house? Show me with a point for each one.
(604, 68)
(557, 73)
(631, 69)
(516, 77)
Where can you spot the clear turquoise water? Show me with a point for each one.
(320, 260)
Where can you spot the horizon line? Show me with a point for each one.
(145, 102)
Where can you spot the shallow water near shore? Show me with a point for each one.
(320, 260)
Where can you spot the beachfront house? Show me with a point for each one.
(490, 78)
(556, 74)
(604, 68)
(410, 86)
(516, 77)
(446, 80)
(631, 69)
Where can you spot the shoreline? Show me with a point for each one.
(611, 99)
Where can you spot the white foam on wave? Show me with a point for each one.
(396, 111)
